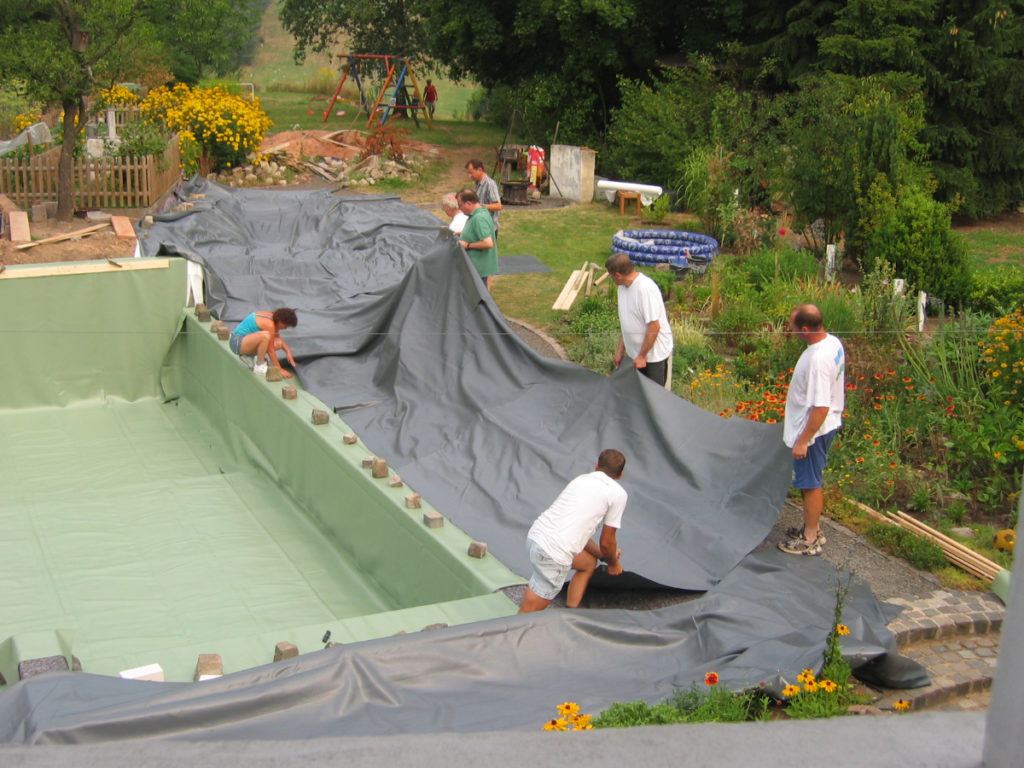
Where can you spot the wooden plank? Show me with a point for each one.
(122, 227)
(20, 232)
(571, 287)
(83, 268)
(68, 236)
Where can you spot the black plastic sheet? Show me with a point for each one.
(397, 334)
(760, 627)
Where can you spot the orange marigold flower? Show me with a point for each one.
(711, 678)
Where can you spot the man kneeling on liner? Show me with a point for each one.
(560, 540)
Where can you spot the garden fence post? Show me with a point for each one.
(922, 303)
(830, 262)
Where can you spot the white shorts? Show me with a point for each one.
(548, 576)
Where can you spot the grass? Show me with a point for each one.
(991, 250)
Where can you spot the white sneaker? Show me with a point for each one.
(259, 369)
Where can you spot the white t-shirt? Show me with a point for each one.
(639, 304)
(458, 222)
(589, 500)
(819, 380)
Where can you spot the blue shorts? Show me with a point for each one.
(548, 576)
(808, 471)
(235, 343)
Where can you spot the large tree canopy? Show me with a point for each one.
(56, 50)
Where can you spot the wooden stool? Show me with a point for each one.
(624, 196)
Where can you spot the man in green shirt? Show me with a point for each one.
(478, 236)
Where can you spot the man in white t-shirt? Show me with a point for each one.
(560, 540)
(450, 205)
(814, 413)
(646, 334)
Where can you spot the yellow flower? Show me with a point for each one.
(842, 629)
(807, 676)
(581, 722)
(568, 708)
(901, 705)
(790, 691)
(556, 725)
(828, 686)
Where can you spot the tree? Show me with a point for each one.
(396, 27)
(55, 50)
(205, 35)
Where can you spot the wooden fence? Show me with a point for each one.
(103, 182)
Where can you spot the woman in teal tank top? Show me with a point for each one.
(259, 334)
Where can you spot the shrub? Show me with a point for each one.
(996, 292)
(911, 231)
(780, 263)
(224, 127)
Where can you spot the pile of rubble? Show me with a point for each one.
(338, 156)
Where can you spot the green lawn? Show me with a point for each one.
(991, 250)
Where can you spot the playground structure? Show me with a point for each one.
(394, 73)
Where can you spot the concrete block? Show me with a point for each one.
(147, 221)
(432, 518)
(285, 650)
(477, 549)
(320, 417)
(153, 672)
(350, 439)
(51, 209)
(274, 374)
(395, 481)
(202, 313)
(368, 461)
(39, 212)
(438, 625)
(289, 392)
(40, 666)
(209, 665)
(413, 501)
(223, 333)
(216, 325)
(379, 468)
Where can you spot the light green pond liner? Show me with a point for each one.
(160, 501)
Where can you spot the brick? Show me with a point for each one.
(319, 417)
(379, 468)
(202, 313)
(395, 481)
(477, 549)
(349, 439)
(39, 212)
(285, 650)
(438, 625)
(42, 665)
(147, 221)
(413, 501)
(223, 333)
(152, 672)
(368, 461)
(289, 392)
(208, 665)
(432, 518)
(275, 374)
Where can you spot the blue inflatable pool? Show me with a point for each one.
(650, 247)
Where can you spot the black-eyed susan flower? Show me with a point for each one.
(568, 708)
(901, 705)
(842, 629)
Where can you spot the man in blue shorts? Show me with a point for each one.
(560, 540)
(814, 413)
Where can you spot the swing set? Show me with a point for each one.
(394, 73)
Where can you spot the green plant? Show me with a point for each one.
(919, 552)
(996, 292)
(710, 703)
(922, 499)
(139, 139)
(656, 212)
